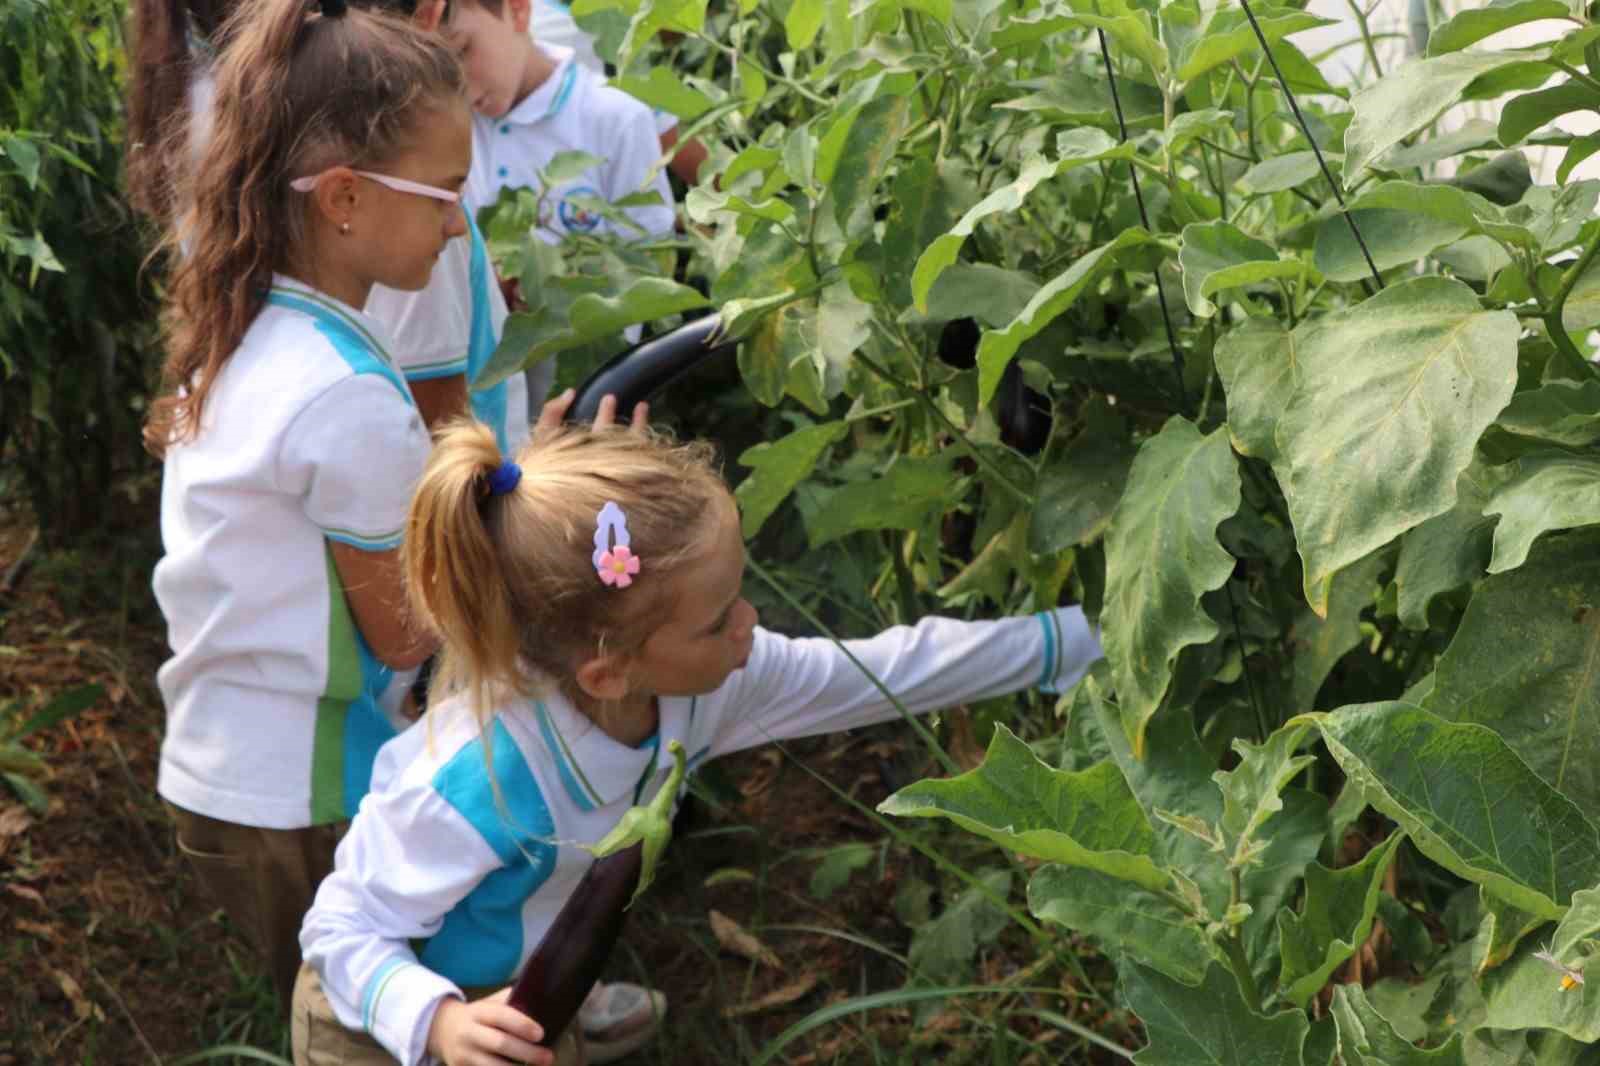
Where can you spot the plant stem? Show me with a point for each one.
(1026, 499)
(771, 75)
(1144, 217)
(1233, 944)
(1315, 148)
(1366, 37)
(1552, 311)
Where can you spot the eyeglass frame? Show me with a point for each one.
(416, 188)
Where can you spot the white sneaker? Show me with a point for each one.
(618, 1019)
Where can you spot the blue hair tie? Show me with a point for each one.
(504, 478)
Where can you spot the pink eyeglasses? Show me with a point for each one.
(306, 184)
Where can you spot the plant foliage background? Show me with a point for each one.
(1060, 301)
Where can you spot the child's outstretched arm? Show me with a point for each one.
(803, 687)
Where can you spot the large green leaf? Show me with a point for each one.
(663, 90)
(1582, 309)
(1320, 643)
(997, 347)
(1524, 114)
(1473, 25)
(776, 467)
(1218, 255)
(1229, 35)
(1448, 550)
(1502, 928)
(1367, 1039)
(903, 497)
(944, 950)
(1409, 98)
(1162, 556)
(1174, 775)
(1547, 491)
(1086, 818)
(1336, 919)
(1393, 396)
(867, 150)
(1076, 148)
(1251, 789)
(1469, 136)
(1528, 992)
(928, 197)
(1258, 368)
(1468, 802)
(1078, 491)
(1561, 412)
(1280, 173)
(1525, 662)
(1393, 238)
(1209, 1025)
(1124, 918)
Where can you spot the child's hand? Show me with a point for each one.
(486, 1032)
(555, 409)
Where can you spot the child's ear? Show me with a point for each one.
(604, 677)
(336, 197)
(521, 12)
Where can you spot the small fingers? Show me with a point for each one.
(554, 410)
(641, 417)
(605, 416)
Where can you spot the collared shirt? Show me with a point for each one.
(449, 877)
(552, 27)
(309, 435)
(574, 110)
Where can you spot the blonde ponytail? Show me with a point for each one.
(507, 581)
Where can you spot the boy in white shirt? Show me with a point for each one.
(532, 102)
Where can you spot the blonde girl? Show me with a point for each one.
(588, 597)
(339, 144)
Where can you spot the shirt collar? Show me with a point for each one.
(594, 769)
(548, 99)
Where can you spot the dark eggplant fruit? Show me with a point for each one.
(1024, 415)
(573, 953)
(639, 372)
(958, 343)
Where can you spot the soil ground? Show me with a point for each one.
(110, 954)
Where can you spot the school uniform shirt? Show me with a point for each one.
(309, 435)
(574, 110)
(449, 880)
(451, 326)
(552, 26)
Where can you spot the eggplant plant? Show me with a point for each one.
(1315, 367)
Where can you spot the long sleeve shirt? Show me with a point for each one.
(469, 845)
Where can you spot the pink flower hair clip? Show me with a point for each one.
(614, 561)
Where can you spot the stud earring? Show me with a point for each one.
(344, 228)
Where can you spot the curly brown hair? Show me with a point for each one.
(296, 92)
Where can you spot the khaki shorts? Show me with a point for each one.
(263, 879)
(318, 1038)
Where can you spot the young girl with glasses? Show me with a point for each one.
(339, 143)
(589, 601)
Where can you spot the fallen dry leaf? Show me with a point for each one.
(732, 936)
(81, 1006)
(39, 929)
(32, 895)
(780, 997)
(14, 819)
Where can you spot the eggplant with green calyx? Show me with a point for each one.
(1024, 415)
(573, 953)
(637, 373)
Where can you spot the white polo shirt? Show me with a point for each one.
(446, 881)
(574, 110)
(452, 326)
(308, 435)
(552, 26)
